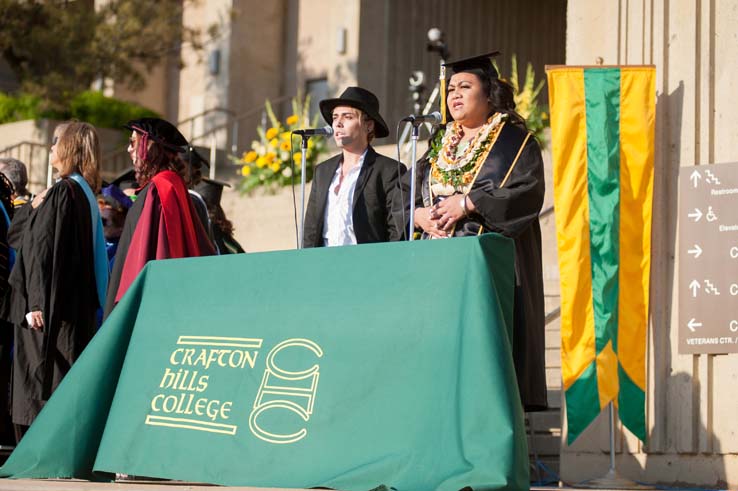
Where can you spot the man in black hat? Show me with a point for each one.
(162, 222)
(350, 199)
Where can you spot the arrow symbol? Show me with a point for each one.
(697, 214)
(695, 177)
(696, 250)
(694, 286)
(693, 323)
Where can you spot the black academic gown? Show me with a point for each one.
(511, 210)
(225, 243)
(54, 273)
(372, 217)
(129, 227)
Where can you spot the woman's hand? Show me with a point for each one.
(37, 320)
(449, 211)
(39, 198)
(424, 219)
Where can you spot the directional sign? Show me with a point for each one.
(708, 259)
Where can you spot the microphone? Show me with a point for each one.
(324, 131)
(433, 118)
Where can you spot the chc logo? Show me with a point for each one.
(282, 389)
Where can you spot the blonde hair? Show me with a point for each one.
(78, 150)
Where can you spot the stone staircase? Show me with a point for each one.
(544, 428)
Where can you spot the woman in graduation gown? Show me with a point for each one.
(60, 274)
(487, 176)
(163, 222)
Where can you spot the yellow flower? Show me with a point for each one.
(271, 157)
(249, 157)
(311, 143)
(274, 143)
(271, 133)
(544, 116)
(262, 162)
(285, 136)
(245, 171)
(292, 119)
(285, 145)
(276, 166)
(297, 157)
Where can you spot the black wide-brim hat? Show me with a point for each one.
(360, 99)
(161, 131)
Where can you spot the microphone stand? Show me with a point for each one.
(413, 151)
(303, 179)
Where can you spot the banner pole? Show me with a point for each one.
(612, 480)
(413, 173)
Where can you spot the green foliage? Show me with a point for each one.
(106, 112)
(58, 49)
(18, 108)
(526, 100)
(89, 106)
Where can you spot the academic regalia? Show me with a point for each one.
(161, 224)
(511, 210)
(54, 273)
(225, 243)
(6, 328)
(211, 192)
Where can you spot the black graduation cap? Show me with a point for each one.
(195, 157)
(126, 180)
(161, 131)
(211, 191)
(479, 62)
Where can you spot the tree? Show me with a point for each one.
(59, 48)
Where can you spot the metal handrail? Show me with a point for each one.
(20, 144)
(205, 113)
(16, 149)
(234, 124)
(553, 315)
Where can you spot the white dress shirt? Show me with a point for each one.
(338, 219)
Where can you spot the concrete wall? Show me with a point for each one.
(199, 89)
(321, 27)
(692, 427)
(29, 141)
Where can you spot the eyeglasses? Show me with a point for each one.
(54, 141)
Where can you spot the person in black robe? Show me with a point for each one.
(211, 192)
(486, 175)
(55, 292)
(153, 147)
(6, 329)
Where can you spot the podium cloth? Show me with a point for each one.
(345, 367)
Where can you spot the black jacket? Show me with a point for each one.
(372, 200)
(511, 210)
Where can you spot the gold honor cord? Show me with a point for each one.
(509, 171)
(520, 150)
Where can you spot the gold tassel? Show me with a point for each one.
(442, 81)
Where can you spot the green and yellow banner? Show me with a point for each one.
(338, 367)
(602, 124)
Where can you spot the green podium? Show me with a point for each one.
(346, 368)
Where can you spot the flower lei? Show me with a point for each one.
(452, 173)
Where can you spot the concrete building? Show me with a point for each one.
(273, 49)
(692, 428)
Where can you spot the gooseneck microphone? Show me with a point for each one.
(324, 131)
